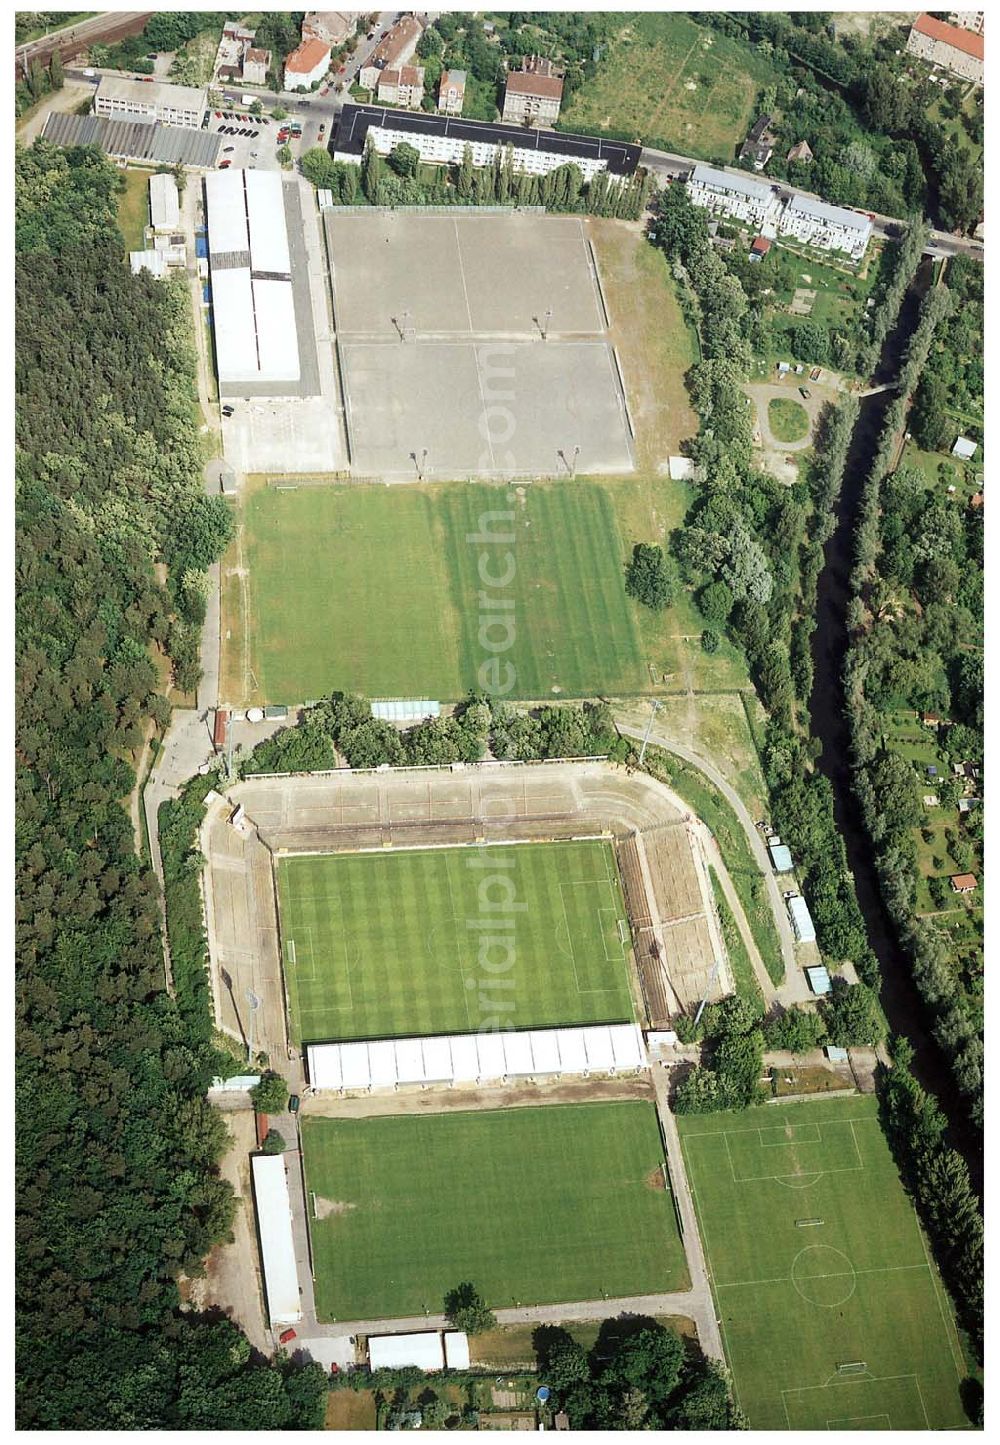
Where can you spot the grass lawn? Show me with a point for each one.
(350, 1410)
(533, 1205)
(672, 84)
(511, 1345)
(381, 590)
(739, 960)
(788, 421)
(133, 208)
(653, 341)
(817, 1261)
(388, 944)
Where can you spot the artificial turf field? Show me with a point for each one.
(377, 945)
(532, 1204)
(817, 1261)
(386, 592)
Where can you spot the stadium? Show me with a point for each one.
(447, 952)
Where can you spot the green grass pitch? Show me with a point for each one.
(424, 942)
(533, 1205)
(817, 1261)
(382, 591)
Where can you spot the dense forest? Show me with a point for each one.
(117, 1186)
(917, 650)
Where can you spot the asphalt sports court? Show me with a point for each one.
(473, 345)
(833, 1317)
(460, 276)
(452, 940)
(534, 1205)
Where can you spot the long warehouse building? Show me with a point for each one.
(252, 303)
(277, 1243)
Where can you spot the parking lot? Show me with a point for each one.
(251, 142)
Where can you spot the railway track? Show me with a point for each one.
(73, 40)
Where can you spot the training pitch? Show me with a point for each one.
(533, 1205)
(396, 592)
(453, 940)
(832, 1315)
(473, 345)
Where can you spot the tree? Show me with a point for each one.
(709, 641)
(466, 174)
(468, 1311)
(404, 159)
(38, 82)
(274, 1143)
(853, 1015)
(285, 155)
(270, 1096)
(649, 577)
(562, 1360)
(715, 602)
(56, 73)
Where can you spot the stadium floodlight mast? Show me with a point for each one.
(420, 462)
(708, 989)
(254, 1003)
(649, 729)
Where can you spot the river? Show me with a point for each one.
(904, 1008)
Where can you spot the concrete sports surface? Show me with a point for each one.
(473, 345)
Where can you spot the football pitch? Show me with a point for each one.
(412, 591)
(832, 1315)
(452, 940)
(533, 1205)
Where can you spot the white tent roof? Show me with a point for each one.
(393, 1352)
(253, 303)
(277, 1247)
(277, 341)
(227, 214)
(600, 1053)
(266, 212)
(409, 1061)
(382, 1063)
(235, 333)
(456, 1349)
(467, 1058)
(354, 1059)
(492, 1056)
(545, 1051)
(572, 1051)
(518, 1054)
(437, 1060)
(626, 1041)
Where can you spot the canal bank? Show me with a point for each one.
(905, 1009)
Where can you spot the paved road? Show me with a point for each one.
(661, 739)
(940, 243)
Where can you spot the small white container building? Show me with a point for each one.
(802, 924)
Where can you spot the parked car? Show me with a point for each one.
(224, 165)
(293, 1103)
(227, 149)
(227, 410)
(804, 391)
(286, 1337)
